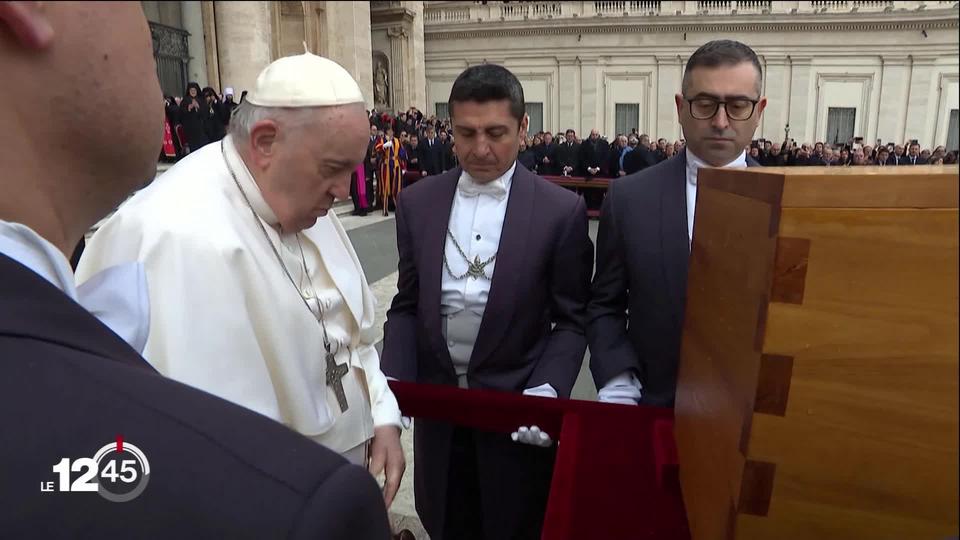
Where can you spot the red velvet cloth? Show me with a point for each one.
(616, 470)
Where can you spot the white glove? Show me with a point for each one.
(532, 436)
(388, 144)
(624, 389)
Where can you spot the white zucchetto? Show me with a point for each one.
(304, 80)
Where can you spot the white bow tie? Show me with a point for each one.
(118, 296)
(495, 189)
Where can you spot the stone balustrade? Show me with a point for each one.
(452, 13)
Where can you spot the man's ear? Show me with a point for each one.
(28, 22)
(524, 125)
(263, 137)
(761, 105)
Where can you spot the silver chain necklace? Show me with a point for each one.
(476, 269)
(335, 372)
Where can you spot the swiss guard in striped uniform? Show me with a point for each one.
(391, 170)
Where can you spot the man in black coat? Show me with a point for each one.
(447, 159)
(914, 157)
(431, 152)
(84, 417)
(635, 316)
(640, 157)
(546, 155)
(612, 168)
(897, 157)
(568, 155)
(370, 165)
(593, 155)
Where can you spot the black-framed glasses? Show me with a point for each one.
(704, 108)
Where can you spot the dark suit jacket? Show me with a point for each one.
(907, 160)
(532, 330)
(593, 154)
(568, 155)
(414, 157)
(612, 167)
(431, 156)
(638, 159)
(447, 159)
(528, 159)
(893, 159)
(70, 386)
(548, 151)
(635, 316)
(370, 157)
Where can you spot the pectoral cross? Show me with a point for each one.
(335, 375)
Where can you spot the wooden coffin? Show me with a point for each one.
(818, 385)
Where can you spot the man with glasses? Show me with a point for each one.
(635, 316)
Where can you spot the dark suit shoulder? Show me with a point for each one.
(424, 190)
(652, 178)
(219, 467)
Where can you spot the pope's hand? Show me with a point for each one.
(386, 455)
(532, 436)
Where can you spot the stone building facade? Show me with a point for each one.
(226, 44)
(832, 69)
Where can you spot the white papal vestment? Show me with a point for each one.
(225, 318)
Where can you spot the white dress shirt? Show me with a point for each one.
(476, 221)
(117, 296)
(625, 388)
(28, 248)
(693, 165)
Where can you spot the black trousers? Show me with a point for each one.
(524, 480)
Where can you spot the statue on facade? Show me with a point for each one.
(381, 86)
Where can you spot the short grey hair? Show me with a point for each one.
(246, 115)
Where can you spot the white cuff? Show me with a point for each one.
(383, 403)
(544, 390)
(624, 389)
(405, 421)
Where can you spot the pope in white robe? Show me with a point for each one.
(239, 304)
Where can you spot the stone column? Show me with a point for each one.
(399, 96)
(210, 43)
(417, 68)
(669, 80)
(589, 99)
(802, 108)
(568, 104)
(348, 43)
(919, 123)
(775, 84)
(244, 42)
(193, 23)
(893, 97)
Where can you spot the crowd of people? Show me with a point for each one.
(568, 155)
(408, 146)
(199, 117)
